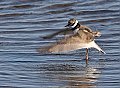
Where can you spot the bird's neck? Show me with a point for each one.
(76, 27)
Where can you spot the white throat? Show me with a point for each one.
(74, 24)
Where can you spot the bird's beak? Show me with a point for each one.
(67, 25)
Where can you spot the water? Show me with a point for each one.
(24, 22)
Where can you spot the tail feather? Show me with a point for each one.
(94, 45)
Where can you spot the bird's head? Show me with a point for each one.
(72, 23)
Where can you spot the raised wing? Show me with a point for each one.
(63, 31)
(77, 41)
(80, 40)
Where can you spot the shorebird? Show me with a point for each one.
(72, 27)
(83, 37)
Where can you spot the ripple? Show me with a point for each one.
(93, 12)
(13, 14)
(58, 6)
(22, 6)
(24, 22)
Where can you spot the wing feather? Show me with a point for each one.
(68, 44)
(62, 31)
(80, 40)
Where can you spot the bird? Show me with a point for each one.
(82, 37)
(72, 27)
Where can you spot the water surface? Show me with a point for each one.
(24, 22)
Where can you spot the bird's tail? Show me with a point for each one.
(94, 45)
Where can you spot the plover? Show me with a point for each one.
(83, 37)
(73, 26)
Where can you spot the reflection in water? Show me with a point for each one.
(73, 75)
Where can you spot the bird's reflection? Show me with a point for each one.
(73, 75)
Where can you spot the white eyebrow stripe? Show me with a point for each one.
(75, 24)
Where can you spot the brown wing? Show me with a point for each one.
(87, 29)
(86, 36)
(77, 41)
(63, 31)
(71, 43)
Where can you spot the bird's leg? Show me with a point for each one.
(86, 56)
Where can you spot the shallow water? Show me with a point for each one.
(24, 22)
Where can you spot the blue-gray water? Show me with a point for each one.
(24, 22)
